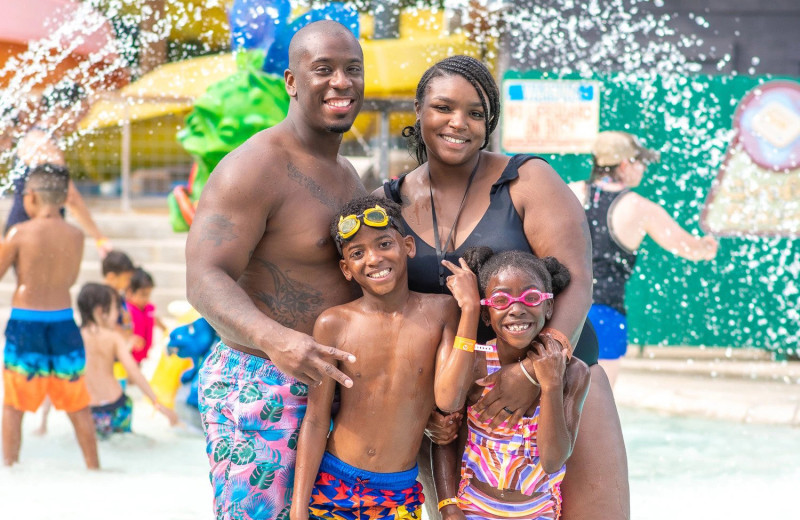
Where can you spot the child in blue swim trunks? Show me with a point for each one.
(111, 408)
(405, 343)
(44, 354)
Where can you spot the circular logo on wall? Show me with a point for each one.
(767, 121)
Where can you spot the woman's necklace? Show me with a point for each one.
(440, 251)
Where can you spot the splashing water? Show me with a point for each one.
(104, 66)
(67, 31)
(631, 42)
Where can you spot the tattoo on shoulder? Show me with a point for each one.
(291, 303)
(317, 191)
(218, 229)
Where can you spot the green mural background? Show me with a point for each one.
(747, 296)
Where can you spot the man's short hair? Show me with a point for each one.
(50, 182)
(117, 262)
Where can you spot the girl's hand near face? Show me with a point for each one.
(463, 284)
(550, 364)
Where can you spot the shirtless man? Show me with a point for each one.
(261, 266)
(44, 354)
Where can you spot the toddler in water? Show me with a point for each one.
(117, 269)
(142, 312)
(111, 408)
(516, 472)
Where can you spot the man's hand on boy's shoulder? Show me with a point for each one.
(308, 361)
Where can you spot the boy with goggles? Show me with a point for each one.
(410, 348)
(373, 217)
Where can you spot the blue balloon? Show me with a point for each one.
(277, 59)
(254, 23)
(264, 24)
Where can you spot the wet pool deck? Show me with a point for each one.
(741, 385)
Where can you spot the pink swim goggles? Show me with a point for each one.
(531, 298)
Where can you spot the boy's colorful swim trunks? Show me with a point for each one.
(344, 492)
(251, 415)
(113, 417)
(44, 356)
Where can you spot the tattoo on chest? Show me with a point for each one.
(317, 191)
(218, 229)
(291, 303)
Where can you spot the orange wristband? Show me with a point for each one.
(448, 502)
(465, 344)
(560, 337)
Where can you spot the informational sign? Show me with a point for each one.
(757, 190)
(549, 116)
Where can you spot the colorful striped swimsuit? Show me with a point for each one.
(506, 459)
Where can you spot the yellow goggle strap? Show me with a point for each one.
(373, 217)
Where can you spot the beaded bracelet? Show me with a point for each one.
(465, 344)
(447, 502)
(560, 337)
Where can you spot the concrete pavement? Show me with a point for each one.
(742, 385)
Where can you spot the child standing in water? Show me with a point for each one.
(44, 354)
(111, 408)
(142, 312)
(367, 468)
(516, 472)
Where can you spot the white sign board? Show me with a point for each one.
(550, 116)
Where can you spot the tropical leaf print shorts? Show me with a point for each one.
(251, 414)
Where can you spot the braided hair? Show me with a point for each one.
(485, 263)
(479, 76)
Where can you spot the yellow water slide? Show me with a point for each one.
(156, 104)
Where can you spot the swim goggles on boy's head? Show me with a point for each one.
(373, 217)
(531, 298)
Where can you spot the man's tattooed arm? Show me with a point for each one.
(217, 229)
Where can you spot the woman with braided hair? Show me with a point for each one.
(463, 196)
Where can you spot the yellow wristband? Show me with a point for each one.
(465, 344)
(100, 242)
(448, 502)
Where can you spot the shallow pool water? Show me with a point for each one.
(679, 468)
(697, 468)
